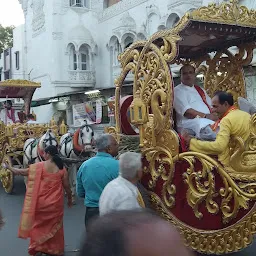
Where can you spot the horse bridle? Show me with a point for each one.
(49, 139)
(81, 134)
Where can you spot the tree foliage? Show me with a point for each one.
(6, 37)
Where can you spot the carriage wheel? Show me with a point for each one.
(6, 176)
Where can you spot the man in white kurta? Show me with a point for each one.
(122, 192)
(192, 104)
(8, 114)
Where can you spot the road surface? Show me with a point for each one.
(11, 206)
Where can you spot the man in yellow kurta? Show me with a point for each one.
(232, 122)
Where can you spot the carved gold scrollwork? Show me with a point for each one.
(6, 176)
(201, 187)
(243, 156)
(153, 85)
(12, 139)
(225, 72)
(204, 188)
(113, 132)
(235, 238)
(149, 62)
(226, 13)
(161, 166)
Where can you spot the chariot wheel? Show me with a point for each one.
(6, 176)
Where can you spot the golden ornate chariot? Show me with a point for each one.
(13, 136)
(213, 206)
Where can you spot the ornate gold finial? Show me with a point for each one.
(34, 114)
(63, 128)
(9, 130)
(52, 122)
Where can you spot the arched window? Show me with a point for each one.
(79, 3)
(128, 41)
(108, 3)
(84, 57)
(172, 20)
(73, 62)
(115, 50)
(141, 36)
(153, 23)
(161, 27)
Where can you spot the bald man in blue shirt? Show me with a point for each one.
(95, 173)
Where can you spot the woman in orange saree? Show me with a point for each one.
(42, 215)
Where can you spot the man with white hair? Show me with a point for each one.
(95, 173)
(122, 193)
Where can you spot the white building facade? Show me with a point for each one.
(71, 46)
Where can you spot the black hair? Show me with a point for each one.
(30, 116)
(9, 102)
(225, 97)
(53, 152)
(107, 235)
(187, 65)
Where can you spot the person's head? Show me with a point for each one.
(8, 104)
(221, 102)
(130, 166)
(188, 75)
(51, 153)
(132, 233)
(107, 143)
(30, 117)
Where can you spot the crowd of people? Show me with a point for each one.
(116, 219)
(114, 205)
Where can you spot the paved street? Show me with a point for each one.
(11, 206)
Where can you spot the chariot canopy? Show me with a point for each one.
(215, 28)
(212, 205)
(19, 89)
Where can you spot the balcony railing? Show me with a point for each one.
(84, 76)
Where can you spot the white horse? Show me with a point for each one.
(34, 148)
(77, 147)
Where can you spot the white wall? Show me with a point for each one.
(18, 46)
(44, 113)
(48, 30)
(51, 25)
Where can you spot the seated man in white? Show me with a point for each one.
(8, 114)
(192, 106)
(122, 192)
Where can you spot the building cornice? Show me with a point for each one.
(119, 8)
(177, 3)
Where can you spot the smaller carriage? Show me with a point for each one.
(14, 136)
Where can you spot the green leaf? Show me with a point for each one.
(6, 37)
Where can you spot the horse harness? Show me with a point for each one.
(39, 152)
(78, 152)
(32, 145)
